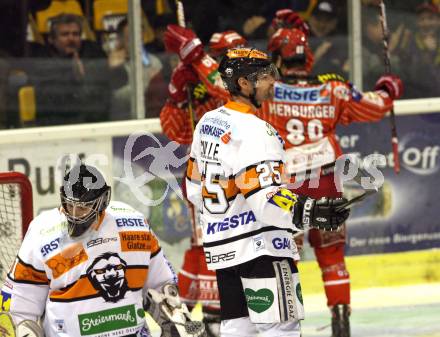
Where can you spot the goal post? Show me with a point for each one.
(16, 213)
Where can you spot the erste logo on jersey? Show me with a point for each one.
(130, 222)
(49, 247)
(294, 94)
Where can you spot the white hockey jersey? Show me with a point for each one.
(93, 286)
(235, 177)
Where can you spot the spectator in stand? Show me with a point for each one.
(252, 21)
(159, 24)
(372, 48)
(155, 87)
(328, 39)
(421, 54)
(71, 76)
(14, 24)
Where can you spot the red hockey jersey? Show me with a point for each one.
(306, 114)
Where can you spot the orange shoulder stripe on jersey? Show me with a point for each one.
(227, 184)
(80, 289)
(66, 260)
(249, 179)
(83, 288)
(241, 107)
(26, 273)
(192, 171)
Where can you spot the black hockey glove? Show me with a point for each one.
(325, 213)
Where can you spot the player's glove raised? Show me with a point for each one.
(390, 83)
(325, 213)
(286, 18)
(182, 76)
(184, 42)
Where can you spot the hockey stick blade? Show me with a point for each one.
(355, 200)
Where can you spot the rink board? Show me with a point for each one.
(401, 217)
(404, 214)
(379, 270)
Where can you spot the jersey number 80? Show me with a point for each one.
(297, 130)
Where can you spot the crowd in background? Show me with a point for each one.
(73, 66)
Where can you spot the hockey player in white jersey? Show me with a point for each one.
(92, 267)
(235, 177)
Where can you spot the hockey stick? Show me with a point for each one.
(360, 173)
(181, 22)
(355, 200)
(386, 55)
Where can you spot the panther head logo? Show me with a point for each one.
(107, 275)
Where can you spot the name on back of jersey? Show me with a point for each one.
(209, 150)
(302, 111)
(313, 95)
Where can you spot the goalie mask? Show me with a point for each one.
(291, 52)
(84, 196)
(252, 64)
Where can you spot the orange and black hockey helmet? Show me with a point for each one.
(249, 63)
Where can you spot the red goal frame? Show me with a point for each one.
(27, 208)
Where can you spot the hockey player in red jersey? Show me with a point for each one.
(305, 111)
(219, 43)
(197, 71)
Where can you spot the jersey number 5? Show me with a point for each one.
(215, 200)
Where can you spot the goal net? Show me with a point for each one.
(16, 212)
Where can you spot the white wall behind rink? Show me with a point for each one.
(37, 152)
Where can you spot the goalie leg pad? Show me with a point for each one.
(7, 326)
(26, 328)
(171, 314)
